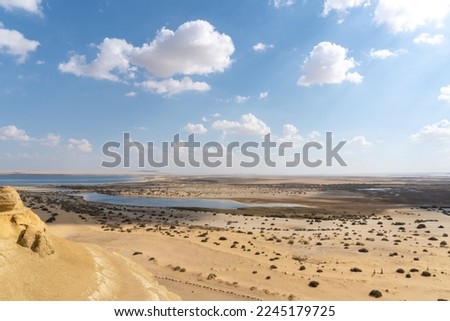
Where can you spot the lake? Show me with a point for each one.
(175, 202)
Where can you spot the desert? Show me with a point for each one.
(340, 238)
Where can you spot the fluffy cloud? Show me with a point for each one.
(112, 60)
(328, 64)
(384, 53)
(426, 38)
(360, 141)
(13, 133)
(79, 145)
(195, 128)
(13, 43)
(171, 86)
(51, 140)
(445, 94)
(260, 47)
(408, 15)
(342, 5)
(290, 134)
(282, 3)
(195, 48)
(381, 53)
(248, 124)
(439, 131)
(32, 6)
(131, 94)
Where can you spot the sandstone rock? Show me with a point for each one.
(9, 199)
(21, 225)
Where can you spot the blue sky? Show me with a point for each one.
(76, 74)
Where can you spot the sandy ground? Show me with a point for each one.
(209, 255)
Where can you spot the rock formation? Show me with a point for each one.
(20, 224)
(35, 265)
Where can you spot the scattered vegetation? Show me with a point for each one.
(313, 284)
(375, 294)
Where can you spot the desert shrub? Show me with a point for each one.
(211, 276)
(355, 269)
(313, 284)
(375, 294)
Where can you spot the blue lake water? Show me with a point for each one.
(175, 202)
(61, 179)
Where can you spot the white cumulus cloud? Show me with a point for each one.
(445, 94)
(50, 140)
(360, 141)
(408, 15)
(112, 60)
(13, 133)
(79, 145)
(384, 53)
(195, 128)
(260, 47)
(14, 43)
(282, 3)
(172, 86)
(194, 48)
(247, 124)
(290, 134)
(328, 63)
(32, 6)
(426, 38)
(439, 131)
(131, 94)
(342, 5)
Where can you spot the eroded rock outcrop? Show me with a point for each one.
(19, 224)
(35, 265)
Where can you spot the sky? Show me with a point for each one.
(75, 75)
